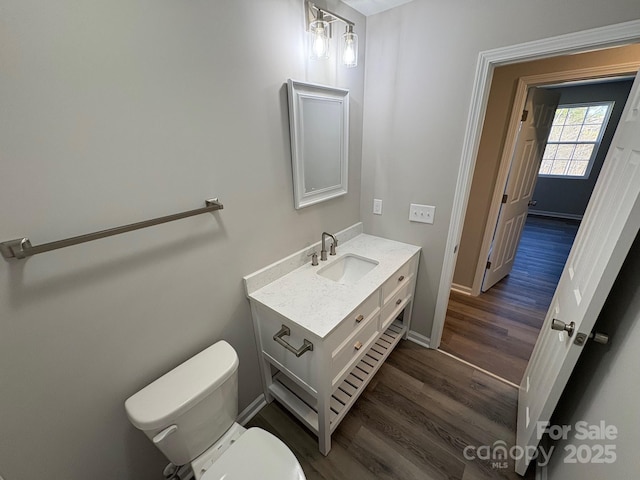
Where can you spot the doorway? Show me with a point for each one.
(497, 330)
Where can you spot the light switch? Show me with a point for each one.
(377, 206)
(421, 213)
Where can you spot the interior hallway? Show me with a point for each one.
(497, 330)
(413, 421)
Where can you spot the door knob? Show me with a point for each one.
(563, 327)
(597, 337)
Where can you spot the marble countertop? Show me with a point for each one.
(318, 304)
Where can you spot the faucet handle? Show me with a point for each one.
(334, 244)
(314, 258)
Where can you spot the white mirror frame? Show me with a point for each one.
(306, 132)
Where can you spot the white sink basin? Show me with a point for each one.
(348, 269)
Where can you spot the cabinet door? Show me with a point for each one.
(304, 368)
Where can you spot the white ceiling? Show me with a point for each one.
(371, 7)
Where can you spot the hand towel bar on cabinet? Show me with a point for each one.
(21, 248)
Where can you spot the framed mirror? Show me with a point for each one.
(319, 126)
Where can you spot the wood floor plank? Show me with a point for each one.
(385, 463)
(457, 383)
(413, 421)
(498, 329)
(401, 439)
(493, 359)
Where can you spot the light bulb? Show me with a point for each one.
(320, 39)
(349, 55)
(318, 44)
(350, 48)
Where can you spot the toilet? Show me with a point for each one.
(190, 415)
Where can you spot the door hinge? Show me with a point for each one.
(525, 115)
(488, 265)
(505, 197)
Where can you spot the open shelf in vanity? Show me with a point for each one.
(321, 342)
(304, 406)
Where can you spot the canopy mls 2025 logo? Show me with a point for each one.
(597, 446)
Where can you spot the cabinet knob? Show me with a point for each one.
(357, 345)
(399, 301)
(400, 278)
(359, 318)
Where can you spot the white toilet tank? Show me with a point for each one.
(187, 410)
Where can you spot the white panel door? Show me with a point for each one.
(532, 138)
(610, 224)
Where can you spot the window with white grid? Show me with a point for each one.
(574, 139)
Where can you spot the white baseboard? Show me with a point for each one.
(251, 411)
(461, 289)
(544, 213)
(418, 338)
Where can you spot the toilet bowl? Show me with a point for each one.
(189, 414)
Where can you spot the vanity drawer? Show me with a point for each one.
(352, 349)
(354, 321)
(387, 315)
(401, 278)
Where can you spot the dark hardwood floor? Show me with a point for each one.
(497, 330)
(413, 421)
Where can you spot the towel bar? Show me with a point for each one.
(21, 247)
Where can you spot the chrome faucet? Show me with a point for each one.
(323, 252)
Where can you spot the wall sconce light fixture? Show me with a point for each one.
(319, 24)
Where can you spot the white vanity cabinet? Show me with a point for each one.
(352, 330)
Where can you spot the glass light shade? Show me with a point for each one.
(350, 48)
(319, 39)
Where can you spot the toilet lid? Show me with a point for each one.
(256, 454)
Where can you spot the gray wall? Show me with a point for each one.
(564, 197)
(115, 111)
(604, 386)
(420, 67)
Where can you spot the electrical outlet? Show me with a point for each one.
(421, 213)
(377, 206)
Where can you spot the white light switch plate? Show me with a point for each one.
(421, 213)
(377, 206)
